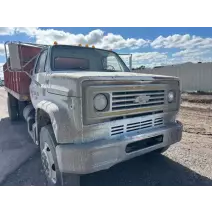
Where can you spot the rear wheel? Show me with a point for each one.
(49, 160)
(21, 106)
(12, 104)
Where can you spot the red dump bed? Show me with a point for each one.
(17, 82)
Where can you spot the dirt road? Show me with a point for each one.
(186, 163)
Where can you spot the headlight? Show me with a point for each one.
(100, 102)
(171, 96)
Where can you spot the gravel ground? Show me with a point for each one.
(197, 98)
(186, 163)
(15, 145)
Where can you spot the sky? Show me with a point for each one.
(149, 46)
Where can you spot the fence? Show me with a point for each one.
(193, 77)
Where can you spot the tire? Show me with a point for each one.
(21, 106)
(49, 161)
(12, 104)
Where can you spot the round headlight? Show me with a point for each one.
(170, 96)
(100, 102)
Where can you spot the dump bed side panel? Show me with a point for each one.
(17, 82)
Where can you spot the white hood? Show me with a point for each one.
(94, 74)
(70, 83)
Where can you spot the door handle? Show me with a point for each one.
(47, 81)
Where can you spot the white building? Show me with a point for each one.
(193, 76)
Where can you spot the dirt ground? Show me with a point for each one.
(188, 162)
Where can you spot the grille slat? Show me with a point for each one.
(127, 99)
(118, 133)
(132, 95)
(116, 130)
(136, 104)
(136, 126)
(143, 122)
(121, 126)
(158, 122)
(139, 126)
(132, 99)
(139, 92)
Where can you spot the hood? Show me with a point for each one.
(69, 83)
(88, 75)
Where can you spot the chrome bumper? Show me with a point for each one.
(100, 155)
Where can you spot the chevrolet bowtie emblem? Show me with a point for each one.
(142, 99)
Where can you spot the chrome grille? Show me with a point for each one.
(135, 126)
(128, 100)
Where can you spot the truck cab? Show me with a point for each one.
(87, 111)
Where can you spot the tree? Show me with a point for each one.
(141, 67)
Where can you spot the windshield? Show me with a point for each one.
(81, 58)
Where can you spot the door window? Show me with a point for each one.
(41, 63)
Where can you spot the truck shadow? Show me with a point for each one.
(15, 146)
(13, 135)
(147, 170)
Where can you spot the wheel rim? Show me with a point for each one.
(48, 163)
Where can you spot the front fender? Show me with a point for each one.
(65, 128)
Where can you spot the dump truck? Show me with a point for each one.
(86, 110)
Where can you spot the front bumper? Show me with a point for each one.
(100, 155)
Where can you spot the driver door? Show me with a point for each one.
(38, 85)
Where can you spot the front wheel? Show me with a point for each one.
(49, 160)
